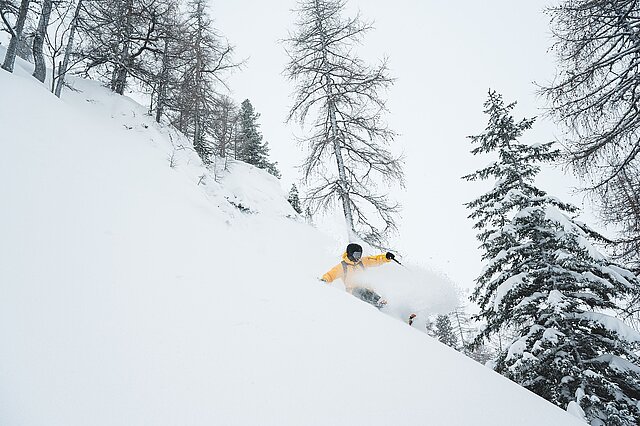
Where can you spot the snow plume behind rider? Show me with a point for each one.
(416, 288)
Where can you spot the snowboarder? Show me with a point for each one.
(352, 263)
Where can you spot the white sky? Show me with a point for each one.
(445, 56)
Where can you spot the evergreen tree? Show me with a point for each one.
(444, 331)
(548, 283)
(294, 199)
(250, 147)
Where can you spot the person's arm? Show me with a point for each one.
(377, 260)
(335, 273)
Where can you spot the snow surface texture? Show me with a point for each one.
(134, 293)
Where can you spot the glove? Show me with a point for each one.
(390, 256)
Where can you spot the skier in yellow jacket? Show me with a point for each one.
(352, 263)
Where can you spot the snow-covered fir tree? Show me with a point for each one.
(445, 332)
(294, 199)
(545, 280)
(250, 146)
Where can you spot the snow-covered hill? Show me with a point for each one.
(136, 293)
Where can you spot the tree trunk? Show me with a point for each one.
(120, 76)
(67, 51)
(197, 136)
(120, 73)
(464, 345)
(10, 57)
(342, 174)
(196, 116)
(162, 84)
(40, 71)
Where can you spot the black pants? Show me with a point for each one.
(368, 296)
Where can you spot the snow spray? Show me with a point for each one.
(412, 289)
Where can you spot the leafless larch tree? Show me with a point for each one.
(341, 96)
(596, 94)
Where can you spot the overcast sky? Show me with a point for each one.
(445, 56)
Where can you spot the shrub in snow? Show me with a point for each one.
(547, 282)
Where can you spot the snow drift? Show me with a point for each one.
(136, 293)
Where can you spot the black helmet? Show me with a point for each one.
(354, 252)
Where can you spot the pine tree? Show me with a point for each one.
(250, 147)
(548, 283)
(294, 199)
(444, 331)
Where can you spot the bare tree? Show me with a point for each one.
(7, 7)
(64, 35)
(16, 35)
(619, 203)
(224, 123)
(170, 59)
(347, 158)
(596, 95)
(118, 34)
(209, 58)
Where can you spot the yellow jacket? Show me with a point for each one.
(348, 270)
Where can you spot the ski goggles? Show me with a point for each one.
(356, 255)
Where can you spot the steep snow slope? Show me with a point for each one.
(133, 293)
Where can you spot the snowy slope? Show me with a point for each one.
(134, 293)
